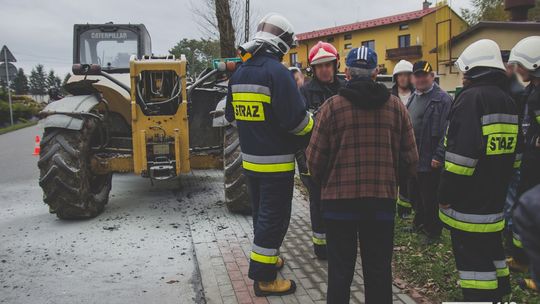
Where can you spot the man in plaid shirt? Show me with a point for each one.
(362, 143)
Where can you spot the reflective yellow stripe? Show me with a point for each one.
(457, 169)
(517, 164)
(538, 119)
(471, 227)
(476, 284)
(268, 168)
(307, 128)
(263, 258)
(503, 272)
(404, 203)
(500, 128)
(318, 241)
(517, 242)
(251, 97)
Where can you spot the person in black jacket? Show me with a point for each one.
(480, 152)
(324, 60)
(403, 89)
(526, 58)
(271, 119)
(517, 91)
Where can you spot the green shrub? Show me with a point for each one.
(22, 111)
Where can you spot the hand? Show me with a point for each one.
(444, 206)
(435, 164)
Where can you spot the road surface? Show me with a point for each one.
(138, 251)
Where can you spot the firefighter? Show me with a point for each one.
(403, 89)
(480, 152)
(324, 60)
(271, 119)
(526, 58)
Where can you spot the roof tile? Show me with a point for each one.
(366, 24)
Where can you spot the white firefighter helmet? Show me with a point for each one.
(403, 66)
(482, 53)
(277, 31)
(527, 54)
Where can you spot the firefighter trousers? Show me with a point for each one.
(271, 199)
(481, 263)
(317, 223)
(404, 204)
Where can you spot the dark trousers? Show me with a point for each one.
(423, 191)
(317, 223)
(480, 260)
(516, 249)
(271, 199)
(375, 233)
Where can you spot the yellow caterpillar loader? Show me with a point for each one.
(130, 111)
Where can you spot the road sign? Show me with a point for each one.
(12, 70)
(7, 57)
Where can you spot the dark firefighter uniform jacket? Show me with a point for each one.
(530, 166)
(481, 146)
(270, 114)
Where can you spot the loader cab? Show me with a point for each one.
(110, 45)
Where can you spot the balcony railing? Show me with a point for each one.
(411, 52)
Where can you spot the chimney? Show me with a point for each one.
(426, 4)
(518, 9)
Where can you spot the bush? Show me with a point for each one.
(22, 111)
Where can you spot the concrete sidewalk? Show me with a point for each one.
(222, 243)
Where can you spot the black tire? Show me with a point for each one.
(236, 194)
(70, 188)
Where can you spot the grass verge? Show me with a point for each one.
(431, 271)
(17, 127)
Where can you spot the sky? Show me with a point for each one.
(41, 31)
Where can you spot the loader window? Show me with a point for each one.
(111, 50)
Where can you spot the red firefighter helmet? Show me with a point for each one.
(323, 52)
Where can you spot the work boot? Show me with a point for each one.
(516, 266)
(527, 284)
(280, 263)
(278, 287)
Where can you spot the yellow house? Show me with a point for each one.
(506, 34)
(408, 36)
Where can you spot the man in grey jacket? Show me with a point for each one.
(428, 107)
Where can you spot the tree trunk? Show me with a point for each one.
(226, 30)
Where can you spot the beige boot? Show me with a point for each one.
(516, 266)
(280, 263)
(528, 284)
(278, 287)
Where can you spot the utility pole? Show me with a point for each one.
(8, 57)
(246, 26)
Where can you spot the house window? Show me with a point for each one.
(348, 46)
(369, 44)
(293, 59)
(404, 41)
(330, 40)
(347, 36)
(403, 27)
